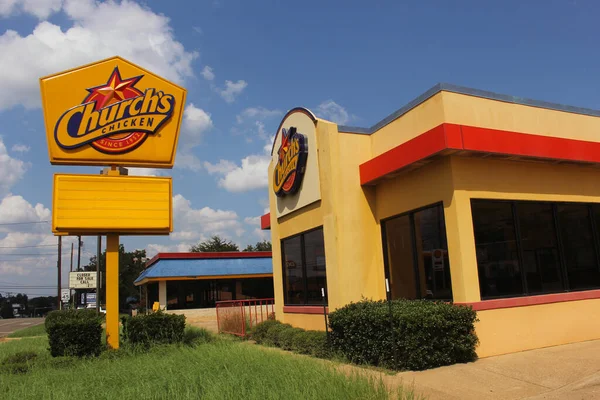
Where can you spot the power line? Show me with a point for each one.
(27, 247)
(28, 254)
(24, 223)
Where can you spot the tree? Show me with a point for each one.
(214, 244)
(6, 310)
(260, 246)
(131, 265)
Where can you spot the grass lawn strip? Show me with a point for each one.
(30, 331)
(220, 370)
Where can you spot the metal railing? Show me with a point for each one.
(237, 317)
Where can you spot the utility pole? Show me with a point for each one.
(79, 256)
(79, 253)
(98, 253)
(58, 265)
(70, 290)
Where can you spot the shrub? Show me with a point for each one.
(153, 328)
(274, 333)
(427, 334)
(258, 333)
(272, 336)
(313, 343)
(18, 363)
(286, 337)
(75, 333)
(193, 336)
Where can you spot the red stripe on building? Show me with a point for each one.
(533, 300)
(265, 221)
(468, 138)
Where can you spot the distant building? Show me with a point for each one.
(198, 280)
(18, 309)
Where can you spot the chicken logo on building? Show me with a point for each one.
(291, 162)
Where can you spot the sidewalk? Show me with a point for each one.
(561, 372)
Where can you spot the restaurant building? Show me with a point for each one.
(462, 195)
(198, 280)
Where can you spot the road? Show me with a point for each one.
(7, 326)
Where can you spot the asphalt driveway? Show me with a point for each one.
(8, 326)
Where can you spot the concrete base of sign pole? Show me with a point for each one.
(112, 291)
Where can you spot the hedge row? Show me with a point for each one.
(274, 333)
(154, 328)
(427, 334)
(75, 333)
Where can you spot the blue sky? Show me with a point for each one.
(244, 64)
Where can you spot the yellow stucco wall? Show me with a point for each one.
(351, 215)
(509, 330)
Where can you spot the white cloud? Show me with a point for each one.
(196, 122)
(222, 167)
(232, 90)
(251, 122)
(256, 113)
(204, 221)
(187, 160)
(208, 73)
(144, 171)
(15, 209)
(193, 225)
(11, 169)
(28, 252)
(252, 220)
(41, 9)
(20, 148)
(153, 249)
(99, 30)
(332, 111)
(250, 175)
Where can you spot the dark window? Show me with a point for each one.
(416, 250)
(496, 248)
(578, 243)
(304, 274)
(539, 246)
(528, 248)
(293, 271)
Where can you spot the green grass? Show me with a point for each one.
(220, 369)
(37, 330)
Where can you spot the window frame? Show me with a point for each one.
(559, 243)
(304, 280)
(415, 255)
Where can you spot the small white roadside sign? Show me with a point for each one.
(82, 280)
(65, 295)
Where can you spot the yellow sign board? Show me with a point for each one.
(103, 204)
(112, 112)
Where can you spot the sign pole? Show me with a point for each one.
(58, 265)
(112, 290)
(99, 251)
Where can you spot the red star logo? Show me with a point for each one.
(285, 143)
(115, 90)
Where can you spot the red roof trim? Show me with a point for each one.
(469, 138)
(265, 222)
(216, 255)
(305, 310)
(533, 300)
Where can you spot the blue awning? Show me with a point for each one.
(192, 268)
